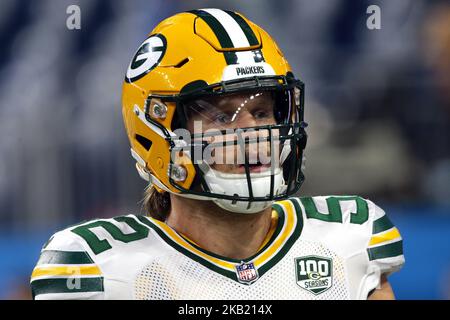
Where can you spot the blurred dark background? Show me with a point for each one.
(378, 105)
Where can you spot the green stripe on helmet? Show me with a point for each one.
(220, 32)
(251, 37)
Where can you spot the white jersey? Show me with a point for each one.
(333, 247)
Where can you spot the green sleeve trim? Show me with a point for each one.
(64, 257)
(387, 251)
(382, 224)
(66, 285)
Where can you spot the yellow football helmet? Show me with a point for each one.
(197, 58)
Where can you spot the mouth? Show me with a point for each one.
(256, 167)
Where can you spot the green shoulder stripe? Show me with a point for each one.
(66, 285)
(382, 224)
(64, 257)
(387, 251)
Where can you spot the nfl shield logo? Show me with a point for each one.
(246, 272)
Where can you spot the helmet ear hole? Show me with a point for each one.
(143, 141)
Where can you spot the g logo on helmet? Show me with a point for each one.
(147, 57)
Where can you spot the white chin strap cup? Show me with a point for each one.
(231, 184)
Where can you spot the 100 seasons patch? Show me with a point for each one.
(314, 273)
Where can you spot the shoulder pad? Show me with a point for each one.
(66, 270)
(385, 248)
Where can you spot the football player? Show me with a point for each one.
(214, 115)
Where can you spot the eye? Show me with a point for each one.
(222, 118)
(262, 114)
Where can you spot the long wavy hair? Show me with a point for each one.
(156, 204)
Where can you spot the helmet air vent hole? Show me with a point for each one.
(181, 63)
(143, 141)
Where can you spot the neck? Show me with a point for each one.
(232, 235)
